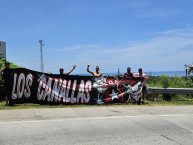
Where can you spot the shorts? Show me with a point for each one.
(144, 89)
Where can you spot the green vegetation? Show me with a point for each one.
(36, 106)
(12, 65)
(172, 82)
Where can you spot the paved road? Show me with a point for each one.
(137, 125)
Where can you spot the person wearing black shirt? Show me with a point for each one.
(128, 74)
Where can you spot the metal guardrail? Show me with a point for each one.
(154, 90)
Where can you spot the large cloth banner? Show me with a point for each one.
(27, 86)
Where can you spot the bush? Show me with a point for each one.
(173, 82)
(166, 97)
(189, 82)
(164, 81)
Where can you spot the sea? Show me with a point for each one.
(151, 73)
(157, 73)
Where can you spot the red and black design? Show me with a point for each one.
(29, 86)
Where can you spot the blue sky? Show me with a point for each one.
(156, 35)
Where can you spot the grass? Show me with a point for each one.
(147, 103)
(170, 103)
(36, 106)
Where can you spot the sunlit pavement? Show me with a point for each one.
(136, 125)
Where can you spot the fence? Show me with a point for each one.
(167, 93)
(154, 90)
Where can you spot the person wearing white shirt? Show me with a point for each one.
(143, 78)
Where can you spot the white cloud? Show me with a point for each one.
(78, 48)
(166, 51)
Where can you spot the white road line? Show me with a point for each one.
(90, 118)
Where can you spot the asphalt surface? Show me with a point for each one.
(112, 125)
(93, 111)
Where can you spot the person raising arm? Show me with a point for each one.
(62, 71)
(96, 74)
(71, 70)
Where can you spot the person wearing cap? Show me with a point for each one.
(6, 76)
(62, 71)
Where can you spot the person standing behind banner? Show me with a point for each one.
(62, 71)
(96, 74)
(143, 78)
(128, 74)
(6, 76)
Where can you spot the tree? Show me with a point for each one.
(12, 65)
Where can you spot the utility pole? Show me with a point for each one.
(41, 57)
